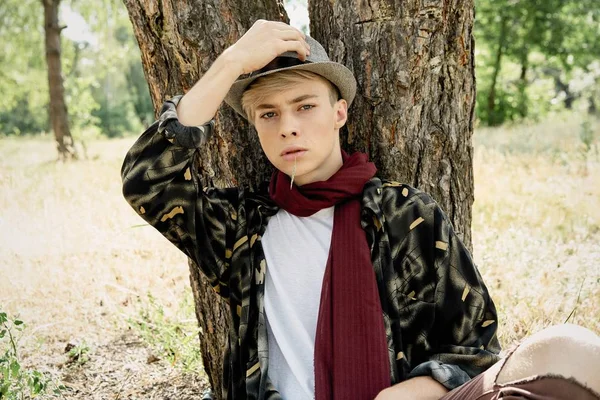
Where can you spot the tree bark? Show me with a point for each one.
(523, 98)
(414, 107)
(179, 40)
(493, 119)
(59, 117)
(561, 87)
(592, 108)
(413, 113)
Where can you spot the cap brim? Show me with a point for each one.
(336, 73)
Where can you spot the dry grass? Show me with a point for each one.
(536, 225)
(72, 261)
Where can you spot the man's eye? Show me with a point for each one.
(307, 107)
(268, 115)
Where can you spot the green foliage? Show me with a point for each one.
(589, 136)
(120, 88)
(528, 53)
(106, 92)
(140, 98)
(25, 116)
(23, 107)
(586, 135)
(116, 109)
(16, 381)
(175, 339)
(79, 354)
(532, 57)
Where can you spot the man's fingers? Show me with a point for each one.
(293, 36)
(287, 34)
(277, 37)
(285, 27)
(299, 48)
(292, 45)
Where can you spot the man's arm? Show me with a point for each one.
(157, 173)
(159, 185)
(447, 317)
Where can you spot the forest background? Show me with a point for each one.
(533, 58)
(106, 300)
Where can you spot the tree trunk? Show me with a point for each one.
(179, 40)
(414, 107)
(493, 118)
(523, 98)
(592, 108)
(58, 109)
(564, 87)
(413, 113)
(561, 87)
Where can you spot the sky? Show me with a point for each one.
(298, 13)
(77, 29)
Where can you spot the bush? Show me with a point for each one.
(17, 382)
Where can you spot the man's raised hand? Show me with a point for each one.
(264, 41)
(258, 47)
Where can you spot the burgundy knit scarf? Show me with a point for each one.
(351, 357)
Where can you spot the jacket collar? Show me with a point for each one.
(371, 204)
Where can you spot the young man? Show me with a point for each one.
(341, 285)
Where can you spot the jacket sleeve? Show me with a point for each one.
(159, 183)
(466, 322)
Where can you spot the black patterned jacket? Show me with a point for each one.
(439, 318)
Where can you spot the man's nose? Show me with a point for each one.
(288, 126)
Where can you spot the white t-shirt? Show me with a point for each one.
(296, 250)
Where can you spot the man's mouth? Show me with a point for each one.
(293, 152)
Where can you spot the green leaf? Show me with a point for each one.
(15, 367)
(38, 385)
(4, 389)
(18, 322)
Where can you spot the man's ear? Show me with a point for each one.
(341, 113)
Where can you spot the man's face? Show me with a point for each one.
(300, 125)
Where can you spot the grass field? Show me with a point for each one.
(536, 223)
(74, 261)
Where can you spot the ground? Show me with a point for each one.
(78, 265)
(124, 368)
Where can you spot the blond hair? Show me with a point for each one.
(265, 86)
